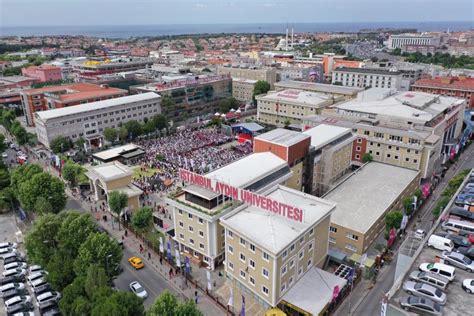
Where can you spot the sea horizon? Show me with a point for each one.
(127, 31)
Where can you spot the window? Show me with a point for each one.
(230, 249)
(252, 247)
(415, 160)
(191, 229)
(309, 263)
(358, 148)
(290, 281)
(301, 255)
(181, 236)
(283, 288)
(351, 247)
(311, 231)
(332, 229)
(201, 221)
(242, 241)
(357, 156)
(231, 265)
(201, 246)
(291, 264)
(283, 270)
(352, 236)
(366, 132)
(181, 224)
(332, 240)
(242, 274)
(292, 247)
(301, 240)
(190, 216)
(252, 280)
(395, 138)
(201, 233)
(378, 135)
(310, 246)
(300, 270)
(230, 234)
(264, 290)
(359, 140)
(265, 256)
(407, 159)
(388, 155)
(285, 254)
(252, 263)
(265, 272)
(191, 241)
(242, 257)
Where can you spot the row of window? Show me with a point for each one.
(191, 241)
(191, 216)
(396, 157)
(252, 247)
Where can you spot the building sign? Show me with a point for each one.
(245, 196)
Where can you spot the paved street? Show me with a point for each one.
(367, 302)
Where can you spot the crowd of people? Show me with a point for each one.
(200, 151)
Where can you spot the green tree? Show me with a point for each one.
(42, 205)
(393, 219)
(96, 278)
(134, 128)
(117, 202)
(167, 304)
(60, 269)
(408, 205)
(123, 133)
(160, 122)
(41, 241)
(98, 249)
(110, 134)
(22, 174)
(367, 157)
(7, 118)
(167, 105)
(227, 104)
(60, 144)
(74, 231)
(3, 146)
(74, 301)
(142, 219)
(4, 177)
(42, 185)
(149, 127)
(188, 308)
(261, 87)
(71, 172)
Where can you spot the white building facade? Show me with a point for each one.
(363, 77)
(400, 40)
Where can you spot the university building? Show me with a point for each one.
(459, 87)
(267, 74)
(365, 77)
(242, 89)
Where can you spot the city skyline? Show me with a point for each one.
(146, 12)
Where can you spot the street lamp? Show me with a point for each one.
(107, 264)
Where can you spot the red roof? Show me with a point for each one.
(78, 91)
(460, 83)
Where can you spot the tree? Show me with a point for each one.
(117, 202)
(123, 133)
(149, 127)
(98, 249)
(3, 146)
(261, 87)
(160, 122)
(74, 231)
(167, 304)
(71, 172)
(22, 174)
(227, 104)
(42, 205)
(60, 269)
(393, 219)
(41, 240)
(74, 300)
(134, 128)
(110, 134)
(96, 278)
(43, 185)
(408, 205)
(4, 177)
(142, 219)
(367, 157)
(167, 104)
(60, 144)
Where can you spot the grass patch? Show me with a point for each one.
(153, 236)
(138, 173)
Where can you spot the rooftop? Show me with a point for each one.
(460, 83)
(283, 137)
(76, 91)
(115, 152)
(297, 96)
(273, 232)
(99, 105)
(317, 87)
(324, 134)
(110, 171)
(15, 79)
(367, 194)
(377, 71)
(42, 67)
(314, 290)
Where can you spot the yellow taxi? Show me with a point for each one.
(136, 262)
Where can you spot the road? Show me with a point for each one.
(371, 304)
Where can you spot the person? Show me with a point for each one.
(149, 256)
(161, 260)
(141, 248)
(196, 297)
(126, 233)
(171, 273)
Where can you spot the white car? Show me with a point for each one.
(15, 265)
(420, 234)
(34, 268)
(16, 272)
(11, 286)
(6, 251)
(4, 155)
(8, 245)
(138, 290)
(17, 300)
(468, 285)
(48, 296)
(35, 276)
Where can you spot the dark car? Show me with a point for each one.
(10, 279)
(457, 240)
(47, 306)
(18, 308)
(14, 259)
(41, 289)
(462, 213)
(467, 251)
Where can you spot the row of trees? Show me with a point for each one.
(133, 129)
(443, 59)
(448, 193)
(8, 120)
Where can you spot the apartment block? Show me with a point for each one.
(365, 77)
(242, 89)
(43, 73)
(251, 73)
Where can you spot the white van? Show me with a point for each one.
(457, 225)
(440, 269)
(440, 243)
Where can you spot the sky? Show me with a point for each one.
(156, 12)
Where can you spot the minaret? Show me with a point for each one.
(286, 42)
(292, 37)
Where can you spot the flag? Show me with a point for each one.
(186, 263)
(231, 298)
(335, 293)
(350, 276)
(169, 251)
(242, 310)
(161, 245)
(178, 258)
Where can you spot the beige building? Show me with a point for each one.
(291, 106)
(267, 74)
(114, 176)
(362, 202)
(242, 89)
(331, 153)
(320, 88)
(197, 211)
(267, 254)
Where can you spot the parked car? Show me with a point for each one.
(48, 296)
(458, 260)
(12, 254)
(420, 305)
(462, 213)
(430, 278)
(15, 265)
(468, 285)
(458, 241)
(11, 286)
(24, 314)
(34, 269)
(41, 288)
(139, 290)
(14, 259)
(19, 272)
(467, 251)
(464, 199)
(10, 279)
(8, 245)
(468, 235)
(426, 290)
(5, 251)
(17, 300)
(440, 242)
(440, 269)
(49, 308)
(23, 307)
(35, 276)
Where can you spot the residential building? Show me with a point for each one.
(193, 95)
(415, 48)
(252, 73)
(242, 89)
(43, 73)
(308, 73)
(409, 129)
(362, 202)
(197, 210)
(89, 120)
(291, 106)
(364, 77)
(460, 87)
(400, 40)
(331, 155)
(291, 146)
(60, 96)
(268, 253)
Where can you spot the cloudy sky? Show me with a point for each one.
(143, 12)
